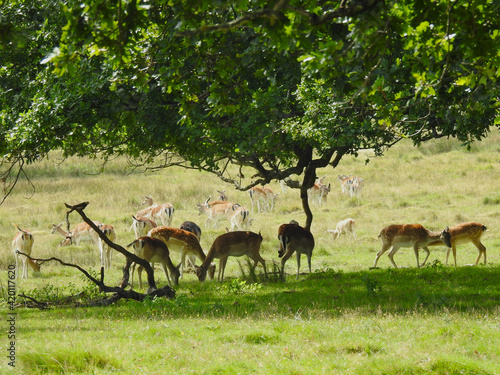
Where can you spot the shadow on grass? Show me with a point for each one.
(330, 293)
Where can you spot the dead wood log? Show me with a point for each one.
(131, 257)
(118, 291)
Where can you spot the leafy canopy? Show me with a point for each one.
(284, 87)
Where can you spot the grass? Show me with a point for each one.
(343, 318)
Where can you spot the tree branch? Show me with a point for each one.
(131, 258)
(119, 292)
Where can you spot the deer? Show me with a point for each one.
(154, 250)
(240, 219)
(181, 241)
(346, 226)
(294, 239)
(222, 195)
(464, 233)
(234, 244)
(216, 211)
(196, 230)
(410, 235)
(81, 233)
(163, 212)
(192, 227)
(319, 192)
(23, 242)
(142, 225)
(105, 250)
(262, 195)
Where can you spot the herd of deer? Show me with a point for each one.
(154, 243)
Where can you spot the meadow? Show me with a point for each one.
(343, 318)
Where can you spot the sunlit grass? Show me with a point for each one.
(343, 318)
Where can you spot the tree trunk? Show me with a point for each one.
(307, 183)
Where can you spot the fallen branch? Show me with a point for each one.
(119, 292)
(131, 258)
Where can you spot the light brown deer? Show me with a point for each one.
(163, 212)
(233, 244)
(294, 239)
(262, 196)
(409, 235)
(154, 250)
(217, 211)
(240, 219)
(464, 233)
(181, 241)
(23, 242)
(81, 233)
(104, 249)
(142, 225)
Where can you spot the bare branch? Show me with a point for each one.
(130, 256)
(120, 293)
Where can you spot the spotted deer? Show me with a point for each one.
(234, 244)
(409, 235)
(465, 233)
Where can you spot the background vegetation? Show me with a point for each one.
(343, 318)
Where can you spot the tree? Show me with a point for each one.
(283, 88)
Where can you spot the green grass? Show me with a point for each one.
(343, 318)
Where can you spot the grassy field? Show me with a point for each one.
(343, 318)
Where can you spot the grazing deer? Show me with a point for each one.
(192, 227)
(294, 238)
(181, 241)
(351, 185)
(409, 235)
(319, 192)
(262, 195)
(105, 250)
(163, 212)
(216, 211)
(284, 186)
(154, 250)
(222, 195)
(234, 244)
(81, 233)
(240, 219)
(142, 225)
(196, 230)
(346, 226)
(23, 242)
(464, 233)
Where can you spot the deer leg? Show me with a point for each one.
(428, 253)
(287, 255)
(297, 255)
(454, 249)
(482, 251)
(391, 256)
(166, 273)
(139, 274)
(222, 267)
(384, 248)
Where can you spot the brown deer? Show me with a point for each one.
(233, 244)
(183, 242)
(409, 235)
(294, 239)
(464, 233)
(154, 251)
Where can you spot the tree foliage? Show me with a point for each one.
(283, 87)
